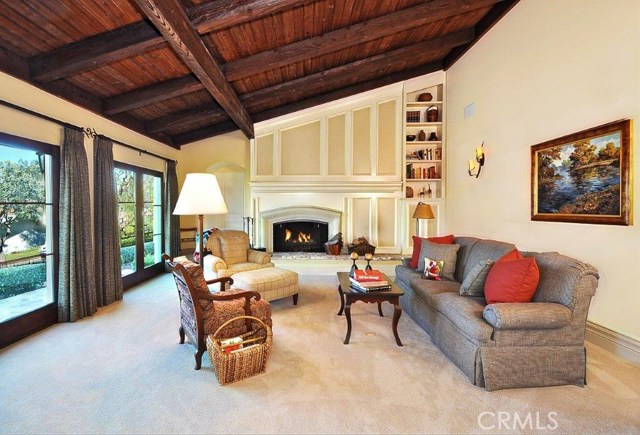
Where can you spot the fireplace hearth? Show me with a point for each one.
(300, 236)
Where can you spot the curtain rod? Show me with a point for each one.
(90, 132)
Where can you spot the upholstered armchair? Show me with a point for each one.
(203, 312)
(230, 254)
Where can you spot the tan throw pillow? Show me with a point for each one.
(234, 250)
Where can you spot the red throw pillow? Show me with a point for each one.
(417, 241)
(514, 280)
(512, 255)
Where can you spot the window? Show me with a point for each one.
(139, 193)
(28, 235)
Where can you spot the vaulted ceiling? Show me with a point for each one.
(184, 70)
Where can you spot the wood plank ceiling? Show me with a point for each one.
(183, 70)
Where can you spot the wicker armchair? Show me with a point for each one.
(203, 312)
(230, 253)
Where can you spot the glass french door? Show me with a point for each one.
(29, 178)
(139, 193)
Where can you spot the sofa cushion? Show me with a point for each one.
(234, 250)
(466, 243)
(436, 251)
(473, 284)
(512, 280)
(417, 242)
(425, 289)
(484, 250)
(406, 275)
(465, 314)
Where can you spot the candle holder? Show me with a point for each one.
(354, 266)
(368, 257)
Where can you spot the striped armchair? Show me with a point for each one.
(230, 254)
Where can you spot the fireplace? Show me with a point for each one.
(300, 236)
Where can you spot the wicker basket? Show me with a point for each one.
(234, 366)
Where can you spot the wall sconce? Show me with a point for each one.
(473, 169)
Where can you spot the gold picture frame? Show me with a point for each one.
(584, 177)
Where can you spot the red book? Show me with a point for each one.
(369, 276)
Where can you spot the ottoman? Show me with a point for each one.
(271, 282)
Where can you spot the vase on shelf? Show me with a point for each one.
(432, 136)
(422, 136)
(429, 192)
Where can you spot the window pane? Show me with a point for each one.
(125, 185)
(152, 216)
(21, 176)
(26, 277)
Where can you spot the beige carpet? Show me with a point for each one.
(122, 371)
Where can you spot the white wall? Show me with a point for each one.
(547, 69)
(229, 153)
(21, 124)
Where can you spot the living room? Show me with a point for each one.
(545, 70)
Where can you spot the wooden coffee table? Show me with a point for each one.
(349, 296)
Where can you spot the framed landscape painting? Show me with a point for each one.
(584, 177)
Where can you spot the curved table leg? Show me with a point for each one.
(397, 312)
(347, 313)
(341, 293)
(380, 309)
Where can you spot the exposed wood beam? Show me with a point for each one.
(171, 20)
(152, 94)
(350, 36)
(217, 15)
(95, 51)
(316, 83)
(197, 114)
(328, 79)
(13, 64)
(138, 37)
(226, 127)
(204, 133)
(349, 91)
(483, 26)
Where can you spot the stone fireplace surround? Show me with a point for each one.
(313, 213)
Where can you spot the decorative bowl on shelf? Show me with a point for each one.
(411, 137)
(425, 96)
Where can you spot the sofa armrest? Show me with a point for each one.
(405, 262)
(533, 315)
(211, 262)
(258, 257)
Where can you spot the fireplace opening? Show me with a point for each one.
(300, 236)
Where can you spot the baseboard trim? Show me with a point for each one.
(616, 343)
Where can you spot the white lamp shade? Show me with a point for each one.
(200, 194)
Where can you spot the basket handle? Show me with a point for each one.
(237, 318)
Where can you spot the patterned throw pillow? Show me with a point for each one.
(473, 284)
(433, 269)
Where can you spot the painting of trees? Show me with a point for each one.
(609, 152)
(22, 183)
(546, 170)
(583, 154)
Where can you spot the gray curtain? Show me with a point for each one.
(106, 231)
(171, 221)
(76, 287)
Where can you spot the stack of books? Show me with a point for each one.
(369, 281)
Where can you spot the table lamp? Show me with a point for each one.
(422, 211)
(200, 195)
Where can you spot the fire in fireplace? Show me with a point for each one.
(300, 236)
